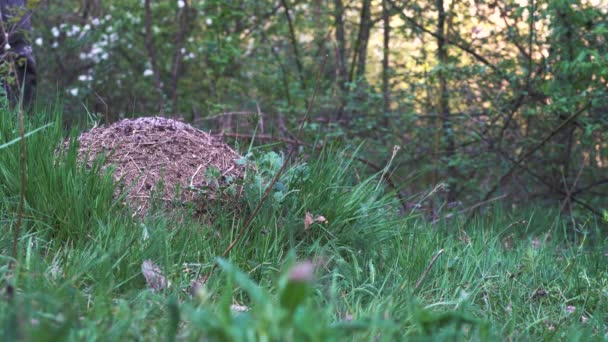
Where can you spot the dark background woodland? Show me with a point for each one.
(489, 100)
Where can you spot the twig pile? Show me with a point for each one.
(148, 151)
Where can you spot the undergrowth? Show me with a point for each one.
(521, 275)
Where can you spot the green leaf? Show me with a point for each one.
(16, 140)
(298, 287)
(242, 279)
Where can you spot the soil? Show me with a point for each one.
(150, 151)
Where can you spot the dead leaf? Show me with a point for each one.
(197, 285)
(464, 237)
(308, 220)
(154, 276)
(539, 293)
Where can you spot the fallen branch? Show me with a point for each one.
(428, 269)
(479, 204)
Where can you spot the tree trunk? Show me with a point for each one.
(444, 96)
(359, 59)
(386, 95)
(365, 26)
(182, 23)
(294, 43)
(342, 73)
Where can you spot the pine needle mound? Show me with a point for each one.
(149, 151)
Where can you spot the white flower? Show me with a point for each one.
(96, 50)
(38, 41)
(105, 55)
(209, 21)
(86, 27)
(55, 45)
(183, 51)
(82, 78)
(75, 29)
(74, 91)
(55, 32)
(7, 46)
(95, 22)
(181, 3)
(148, 72)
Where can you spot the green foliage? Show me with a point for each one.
(61, 196)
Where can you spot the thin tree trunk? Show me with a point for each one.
(284, 73)
(444, 95)
(386, 95)
(181, 18)
(340, 57)
(360, 56)
(294, 43)
(569, 133)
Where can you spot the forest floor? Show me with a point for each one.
(329, 256)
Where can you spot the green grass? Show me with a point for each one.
(79, 264)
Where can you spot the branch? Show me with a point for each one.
(294, 43)
(428, 269)
(532, 151)
(449, 41)
(542, 180)
(590, 186)
(519, 163)
(296, 142)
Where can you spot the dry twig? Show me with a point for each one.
(428, 269)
